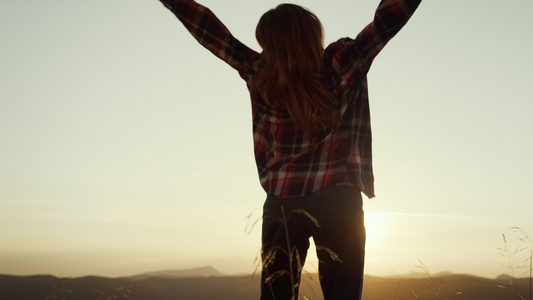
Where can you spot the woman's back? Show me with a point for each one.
(294, 159)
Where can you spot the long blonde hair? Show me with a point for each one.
(292, 41)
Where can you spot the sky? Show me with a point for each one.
(126, 147)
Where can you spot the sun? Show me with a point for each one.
(379, 226)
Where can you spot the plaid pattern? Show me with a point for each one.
(292, 163)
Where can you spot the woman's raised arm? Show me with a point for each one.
(390, 17)
(211, 33)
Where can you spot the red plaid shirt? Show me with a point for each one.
(292, 163)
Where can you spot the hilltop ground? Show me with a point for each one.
(446, 286)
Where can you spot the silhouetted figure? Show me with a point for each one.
(312, 138)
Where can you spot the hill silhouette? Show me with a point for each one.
(195, 272)
(198, 287)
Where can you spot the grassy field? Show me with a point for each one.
(416, 286)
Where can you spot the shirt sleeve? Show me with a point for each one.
(390, 17)
(211, 33)
(352, 57)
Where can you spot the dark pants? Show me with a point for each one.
(334, 218)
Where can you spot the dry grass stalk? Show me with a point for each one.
(510, 252)
(424, 268)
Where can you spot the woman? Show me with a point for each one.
(312, 139)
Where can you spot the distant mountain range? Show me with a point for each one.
(207, 283)
(195, 272)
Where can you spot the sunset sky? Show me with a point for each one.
(126, 147)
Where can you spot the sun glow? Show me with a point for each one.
(379, 226)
